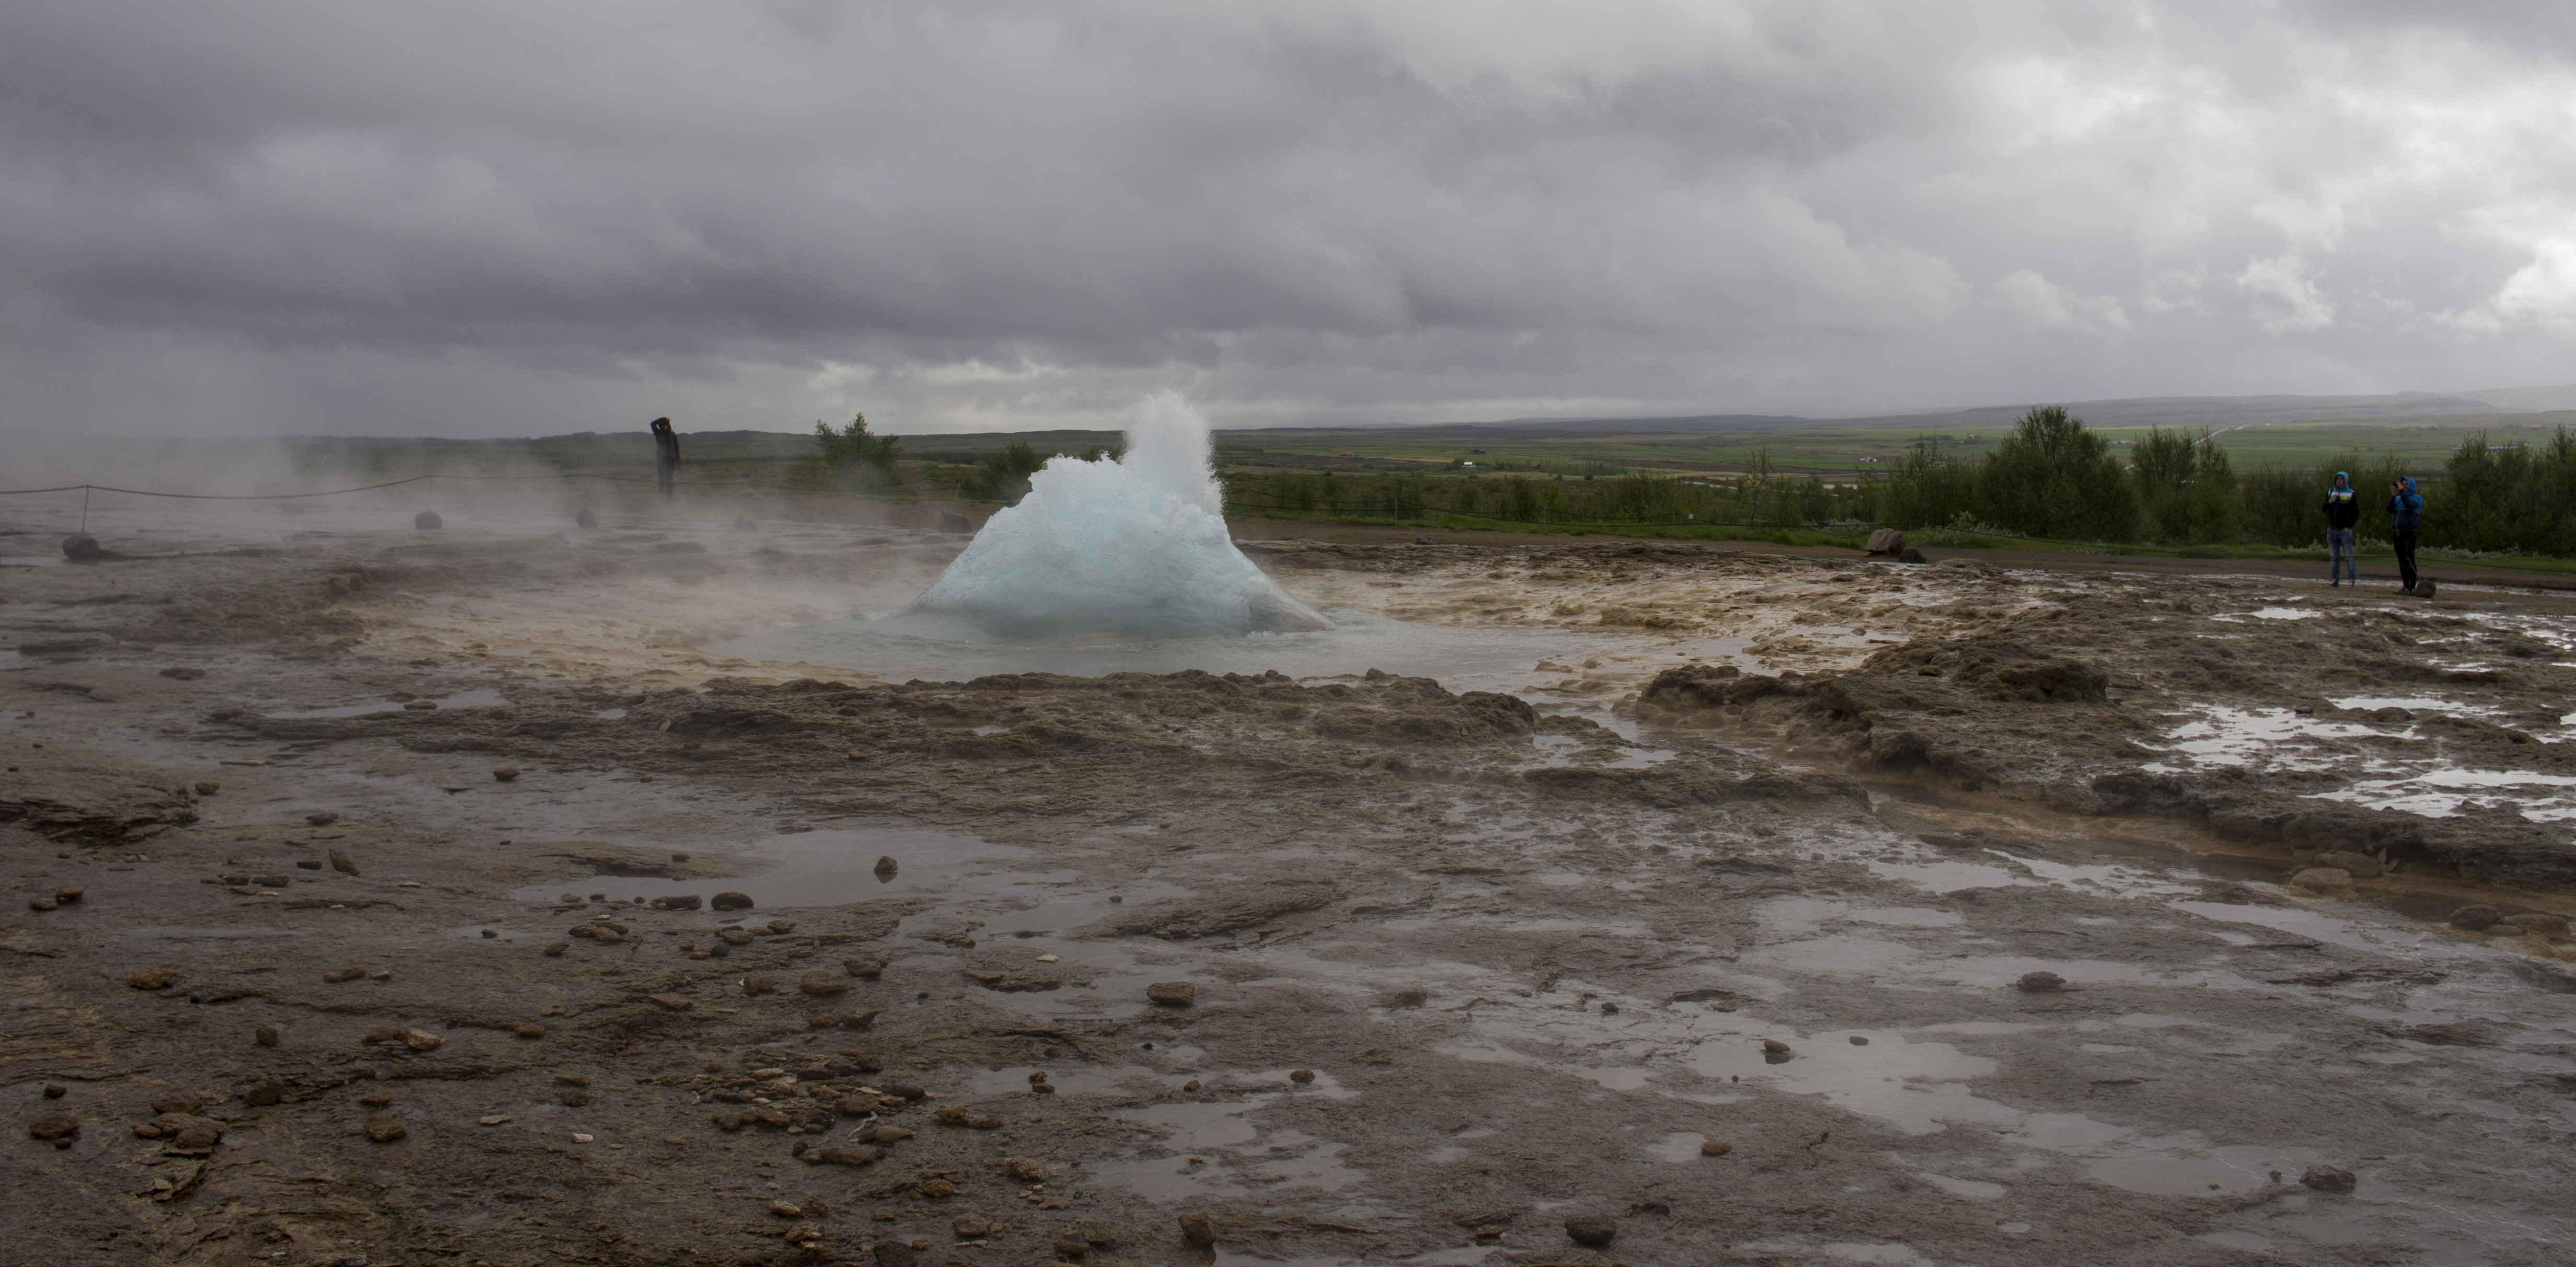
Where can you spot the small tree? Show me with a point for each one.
(2187, 486)
(1004, 476)
(2054, 477)
(852, 456)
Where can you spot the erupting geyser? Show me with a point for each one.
(1135, 546)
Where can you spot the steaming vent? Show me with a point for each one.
(1135, 547)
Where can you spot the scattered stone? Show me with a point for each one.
(265, 1035)
(678, 902)
(2540, 922)
(885, 867)
(1911, 555)
(2359, 866)
(1424, 541)
(83, 548)
(530, 1030)
(1198, 1229)
(340, 863)
(2040, 982)
(153, 978)
(1715, 1148)
(53, 1126)
(971, 1227)
(905, 1090)
(2325, 1178)
(861, 1020)
(1858, 1041)
(584, 519)
(207, 787)
(307, 865)
(68, 895)
(422, 1040)
(2476, 918)
(1024, 1170)
(56, 1091)
(890, 1134)
(506, 774)
(321, 818)
(1071, 1248)
(1885, 541)
(1191, 1085)
(865, 969)
(338, 975)
(734, 936)
(844, 1156)
(785, 1210)
(819, 982)
(2323, 881)
(1301, 1076)
(427, 520)
(938, 1189)
(42, 903)
(759, 985)
(1595, 1230)
(376, 1099)
(781, 927)
(669, 1003)
(264, 1095)
(730, 901)
(1172, 993)
(385, 1128)
(1609, 1009)
(554, 950)
(421, 705)
(1775, 1047)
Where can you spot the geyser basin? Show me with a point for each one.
(1483, 659)
(1134, 547)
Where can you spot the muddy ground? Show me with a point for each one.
(1721, 930)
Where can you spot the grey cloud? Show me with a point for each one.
(510, 218)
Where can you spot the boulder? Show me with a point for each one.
(1885, 541)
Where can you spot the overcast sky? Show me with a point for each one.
(470, 218)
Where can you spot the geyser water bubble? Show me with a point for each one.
(1135, 546)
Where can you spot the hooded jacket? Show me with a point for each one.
(2343, 502)
(2408, 506)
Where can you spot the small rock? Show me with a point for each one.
(1172, 993)
(42, 904)
(734, 936)
(530, 1030)
(153, 978)
(68, 895)
(1094, 1233)
(1071, 1248)
(82, 548)
(1775, 1047)
(427, 520)
(1191, 1085)
(885, 867)
(340, 863)
(782, 927)
(2475, 919)
(1198, 1229)
(506, 774)
(2545, 924)
(2325, 1178)
(421, 705)
(338, 975)
(53, 1126)
(307, 865)
(207, 788)
(669, 1003)
(865, 969)
(785, 1211)
(584, 519)
(730, 901)
(2323, 880)
(1595, 1230)
(678, 902)
(844, 1156)
(385, 1128)
(819, 982)
(1301, 1076)
(1715, 1148)
(322, 818)
(1424, 541)
(554, 950)
(264, 1095)
(2359, 866)
(1885, 541)
(861, 1020)
(971, 1227)
(2040, 982)
(756, 986)
(56, 1091)
(265, 1036)
(1911, 555)
(1858, 1041)
(422, 1040)
(1024, 1170)
(938, 1189)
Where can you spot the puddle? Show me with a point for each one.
(1461, 657)
(2430, 794)
(485, 698)
(2366, 703)
(2231, 736)
(610, 714)
(1216, 1147)
(1677, 1147)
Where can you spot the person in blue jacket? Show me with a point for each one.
(2343, 516)
(2407, 506)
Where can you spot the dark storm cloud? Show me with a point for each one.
(508, 218)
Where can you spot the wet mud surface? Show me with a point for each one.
(1721, 926)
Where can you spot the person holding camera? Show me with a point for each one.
(2407, 506)
(2343, 517)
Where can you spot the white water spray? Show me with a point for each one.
(1135, 546)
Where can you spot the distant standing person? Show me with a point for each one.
(2408, 506)
(2343, 513)
(666, 454)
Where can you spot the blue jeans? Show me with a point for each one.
(2339, 564)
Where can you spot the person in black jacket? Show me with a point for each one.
(2406, 505)
(2343, 513)
(666, 454)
